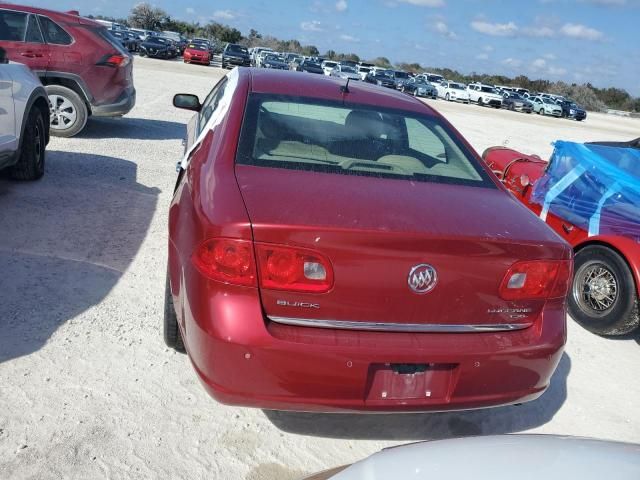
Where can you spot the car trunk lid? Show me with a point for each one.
(375, 231)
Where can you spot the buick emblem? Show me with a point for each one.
(422, 278)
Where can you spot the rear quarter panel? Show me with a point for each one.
(207, 202)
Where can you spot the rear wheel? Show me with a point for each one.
(30, 165)
(603, 298)
(69, 112)
(171, 330)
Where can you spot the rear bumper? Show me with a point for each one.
(243, 360)
(200, 60)
(577, 116)
(123, 105)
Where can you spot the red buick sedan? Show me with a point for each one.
(340, 247)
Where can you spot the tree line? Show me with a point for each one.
(148, 17)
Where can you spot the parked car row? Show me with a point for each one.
(428, 85)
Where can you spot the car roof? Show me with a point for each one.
(285, 82)
(55, 15)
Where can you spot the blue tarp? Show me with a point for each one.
(594, 187)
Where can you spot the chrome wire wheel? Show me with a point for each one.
(595, 288)
(63, 112)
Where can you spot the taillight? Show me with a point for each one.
(226, 260)
(280, 267)
(293, 269)
(115, 60)
(537, 279)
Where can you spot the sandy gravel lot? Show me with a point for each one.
(87, 387)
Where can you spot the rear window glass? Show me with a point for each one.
(314, 135)
(54, 33)
(13, 26)
(110, 39)
(236, 48)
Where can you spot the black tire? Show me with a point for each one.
(30, 165)
(70, 113)
(447, 98)
(621, 313)
(480, 102)
(171, 330)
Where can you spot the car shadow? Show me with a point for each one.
(634, 336)
(132, 128)
(430, 426)
(65, 242)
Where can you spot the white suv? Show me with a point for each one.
(24, 131)
(484, 95)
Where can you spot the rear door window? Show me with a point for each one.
(211, 103)
(332, 137)
(13, 26)
(54, 33)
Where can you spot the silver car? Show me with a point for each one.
(504, 457)
(24, 121)
(546, 106)
(345, 71)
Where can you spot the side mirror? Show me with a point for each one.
(187, 101)
(3, 56)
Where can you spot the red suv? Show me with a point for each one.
(84, 69)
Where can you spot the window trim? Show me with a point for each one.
(35, 17)
(211, 95)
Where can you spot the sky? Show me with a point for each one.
(596, 41)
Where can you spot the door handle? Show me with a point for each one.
(31, 54)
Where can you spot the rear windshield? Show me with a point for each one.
(109, 38)
(316, 135)
(236, 48)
